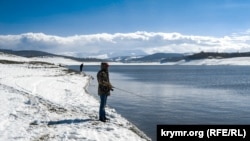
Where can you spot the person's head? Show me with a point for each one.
(104, 66)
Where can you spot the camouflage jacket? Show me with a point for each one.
(104, 85)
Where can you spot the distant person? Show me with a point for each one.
(104, 87)
(81, 67)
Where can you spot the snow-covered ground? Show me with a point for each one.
(54, 60)
(46, 102)
(227, 61)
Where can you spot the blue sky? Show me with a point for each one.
(70, 17)
(108, 28)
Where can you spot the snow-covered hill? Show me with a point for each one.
(226, 61)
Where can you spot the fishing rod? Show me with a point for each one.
(128, 92)
(122, 90)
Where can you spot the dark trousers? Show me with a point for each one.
(102, 113)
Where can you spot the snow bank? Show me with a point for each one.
(47, 102)
(226, 61)
(57, 60)
(11, 57)
(53, 60)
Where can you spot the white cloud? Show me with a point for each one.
(125, 43)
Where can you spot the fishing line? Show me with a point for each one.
(137, 94)
(119, 89)
(128, 92)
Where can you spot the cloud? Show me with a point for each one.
(106, 45)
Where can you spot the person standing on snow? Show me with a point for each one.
(81, 66)
(104, 87)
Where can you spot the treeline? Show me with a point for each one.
(212, 55)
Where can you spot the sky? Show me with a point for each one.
(70, 18)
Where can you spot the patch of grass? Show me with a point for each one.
(71, 71)
(39, 63)
(20, 62)
(10, 62)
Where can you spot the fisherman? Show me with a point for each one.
(104, 88)
(81, 67)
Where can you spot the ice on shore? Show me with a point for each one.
(40, 101)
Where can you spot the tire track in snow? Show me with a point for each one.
(42, 107)
(35, 100)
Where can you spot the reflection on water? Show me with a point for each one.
(179, 96)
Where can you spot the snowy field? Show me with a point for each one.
(41, 101)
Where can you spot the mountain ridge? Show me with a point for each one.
(156, 57)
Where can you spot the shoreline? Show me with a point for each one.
(133, 127)
(42, 101)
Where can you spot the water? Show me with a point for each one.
(178, 94)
